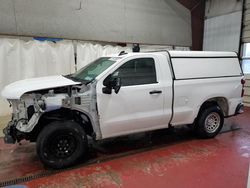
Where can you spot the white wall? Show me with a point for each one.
(88, 52)
(140, 21)
(222, 25)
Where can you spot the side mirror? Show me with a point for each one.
(111, 83)
(107, 80)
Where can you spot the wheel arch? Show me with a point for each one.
(63, 114)
(221, 102)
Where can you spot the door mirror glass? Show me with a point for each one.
(107, 80)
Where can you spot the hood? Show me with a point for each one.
(16, 89)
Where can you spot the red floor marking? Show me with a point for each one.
(219, 162)
(207, 163)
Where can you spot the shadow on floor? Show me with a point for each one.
(18, 161)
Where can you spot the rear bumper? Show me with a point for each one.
(239, 109)
(9, 133)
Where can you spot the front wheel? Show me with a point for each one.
(209, 122)
(61, 144)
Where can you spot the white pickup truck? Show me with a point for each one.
(124, 94)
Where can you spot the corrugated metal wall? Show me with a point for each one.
(247, 91)
(246, 23)
(222, 33)
(222, 25)
(245, 54)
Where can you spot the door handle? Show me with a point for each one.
(155, 92)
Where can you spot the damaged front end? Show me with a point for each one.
(26, 113)
(39, 108)
(10, 133)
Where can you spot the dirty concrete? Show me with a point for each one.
(193, 163)
(173, 158)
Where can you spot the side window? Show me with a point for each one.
(137, 72)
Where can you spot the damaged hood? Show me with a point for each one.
(16, 89)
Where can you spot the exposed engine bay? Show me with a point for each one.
(27, 110)
(31, 106)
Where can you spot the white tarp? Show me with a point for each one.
(88, 52)
(20, 60)
(147, 48)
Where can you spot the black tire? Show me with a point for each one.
(61, 144)
(209, 122)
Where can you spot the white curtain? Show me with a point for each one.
(20, 60)
(88, 52)
(182, 48)
(147, 48)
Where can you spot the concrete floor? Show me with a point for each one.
(157, 159)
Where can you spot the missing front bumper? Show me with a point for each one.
(9, 137)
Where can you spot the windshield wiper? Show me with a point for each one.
(69, 76)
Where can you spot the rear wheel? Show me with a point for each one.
(61, 144)
(209, 122)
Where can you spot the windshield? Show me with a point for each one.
(90, 72)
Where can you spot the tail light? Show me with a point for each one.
(243, 81)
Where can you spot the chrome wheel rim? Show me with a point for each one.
(212, 122)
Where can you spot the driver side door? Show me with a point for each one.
(139, 105)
